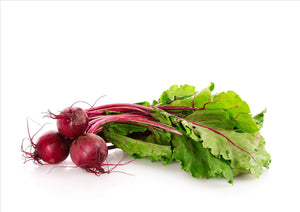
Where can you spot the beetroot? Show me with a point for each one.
(51, 148)
(71, 122)
(89, 151)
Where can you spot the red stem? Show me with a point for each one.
(130, 118)
(179, 108)
(129, 106)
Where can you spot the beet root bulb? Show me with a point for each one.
(51, 148)
(72, 122)
(89, 151)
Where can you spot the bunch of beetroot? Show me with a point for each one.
(211, 135)
(78, 135)
(87, 150)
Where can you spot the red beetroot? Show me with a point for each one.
(51, 148)
(72, 122)
(89, 151)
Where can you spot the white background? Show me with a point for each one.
(55, 53)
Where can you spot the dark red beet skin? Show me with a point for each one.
(89, 151)
(52, 148)
(72, 122)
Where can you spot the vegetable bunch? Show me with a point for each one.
(211, 135)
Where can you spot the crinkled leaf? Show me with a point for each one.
(176, 92)
(138, 148)
(251, 157)
(185, 96)
(230, 102)
(197, 160)
(245, 151)
(215, 131)
(237, 108)
(217, 119)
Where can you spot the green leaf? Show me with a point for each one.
(145, 103)
(185, 96)
(138, 148)
(217, 119)
(244, 151)
(159, 137)
(162, 116)
(230, 102)
(237, 108)
(251, 161)
(176, 92)
(214, 130)
(201, 98)
(125, 129)
(197, 160)
(259, 118)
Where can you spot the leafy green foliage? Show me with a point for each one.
(220, 138)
